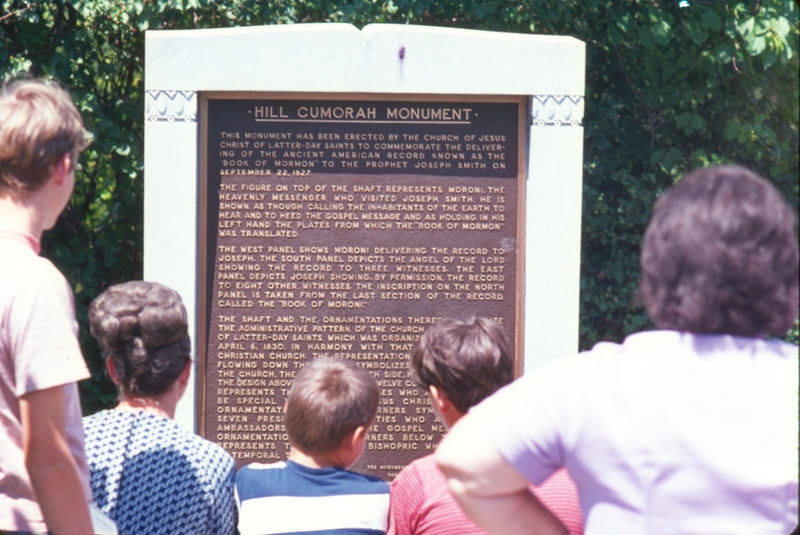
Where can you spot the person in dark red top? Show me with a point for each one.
(460, 363)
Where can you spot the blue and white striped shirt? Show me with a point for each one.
(289, 498)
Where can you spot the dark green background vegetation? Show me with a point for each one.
(668, 89)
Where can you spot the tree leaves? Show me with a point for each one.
(668, 89)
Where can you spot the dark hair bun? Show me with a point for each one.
(143, 327)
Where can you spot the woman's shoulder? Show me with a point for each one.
(206, 456)
(209, 450)
(106, 424)
(146, 432)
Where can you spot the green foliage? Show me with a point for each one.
(695, 87)
(98, 239)
(96, 49)
(668, 89)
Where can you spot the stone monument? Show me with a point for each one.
(318, 190)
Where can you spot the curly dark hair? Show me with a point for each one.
(467, 359)
(720, 256)
(143, 327)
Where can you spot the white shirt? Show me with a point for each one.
(38, 350)
(667, 433)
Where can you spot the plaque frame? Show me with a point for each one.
(522, 103)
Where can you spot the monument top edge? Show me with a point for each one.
(380, 58)
(367, 32)
(331, 27)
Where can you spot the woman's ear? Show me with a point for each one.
(112, 370)
(183, 378)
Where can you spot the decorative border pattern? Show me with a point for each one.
(170, 106)
(556, 110)
(546, 110)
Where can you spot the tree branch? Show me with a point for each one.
(650, 115)
(17, 12)
(89, 195)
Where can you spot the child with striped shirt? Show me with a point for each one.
(329, 410)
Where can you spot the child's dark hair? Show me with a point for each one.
(468, 360)
(142, 326)
(329, 399)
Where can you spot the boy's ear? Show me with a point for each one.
(444, 409)
(62, 169)
(439, 399)
(359, 434)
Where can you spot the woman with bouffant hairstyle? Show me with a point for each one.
(148, 474)
(720, 256)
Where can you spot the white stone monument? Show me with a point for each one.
(380, 59)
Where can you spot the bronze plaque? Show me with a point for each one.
(345, 227)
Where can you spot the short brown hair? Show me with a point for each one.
(39, 124)
(720, 256)
(329, 399)
(142, 326)
(469, 360)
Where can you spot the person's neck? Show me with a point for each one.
(450, 418)
(314, 461)
(22, 215)
(161, 406)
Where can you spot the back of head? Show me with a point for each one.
(720, 256)
(469, 360)
(328, 400)
(143, 327)
(39, 124)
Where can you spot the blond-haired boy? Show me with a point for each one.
(330, 408)
(45, 480)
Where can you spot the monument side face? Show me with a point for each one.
(341, 204)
